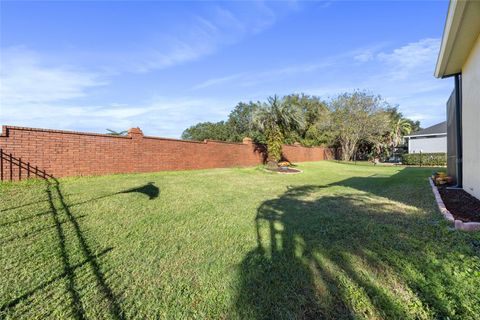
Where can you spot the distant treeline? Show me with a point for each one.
(356, 122)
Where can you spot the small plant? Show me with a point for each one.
(284, 164)
(117, 133)
(441, 178)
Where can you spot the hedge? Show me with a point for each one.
(425, 159)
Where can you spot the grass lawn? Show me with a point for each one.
(337, 241)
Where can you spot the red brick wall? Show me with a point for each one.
(67, 153)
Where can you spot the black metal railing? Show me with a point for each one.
(13, 169)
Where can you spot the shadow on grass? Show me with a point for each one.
(63, 218)
(355, 255)
(401, 187)
(149, 189)
(75, 299)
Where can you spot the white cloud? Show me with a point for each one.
(364, 56)
(39, 93)
(200, 36)
(414, 57)
(252, 78)
(161, 116)
(255, 77)
(403, 76)
(221, 80)
(36, 94)
(24, 78)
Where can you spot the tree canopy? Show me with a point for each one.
(207, 130)
(356, 122)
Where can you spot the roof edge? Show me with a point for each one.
(426, 135)
(450, 31)
(461, 30)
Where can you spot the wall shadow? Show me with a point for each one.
(342, 256)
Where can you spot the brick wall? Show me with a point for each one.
(68, 153)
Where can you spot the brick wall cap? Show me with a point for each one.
(219, 141)
(5, 129)
(173, 139)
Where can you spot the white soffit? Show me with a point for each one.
(462, 29)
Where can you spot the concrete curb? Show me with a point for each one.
(459, 225)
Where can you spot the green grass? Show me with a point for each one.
(337, 241)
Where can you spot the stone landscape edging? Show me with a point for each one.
(270, 171)
(458, 224)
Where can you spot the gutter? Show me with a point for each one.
(458, 120)
(426, 135)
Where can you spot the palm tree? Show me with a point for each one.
(117, 133)
(275, 119)
(400, 128)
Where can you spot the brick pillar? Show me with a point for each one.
(136, 163)
(247, 140)
(135, 133)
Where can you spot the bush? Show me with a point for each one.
(425, 159)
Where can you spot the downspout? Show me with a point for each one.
(458, 120)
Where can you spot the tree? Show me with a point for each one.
(240, 122)
(314, 113)
(401, 127)
(117, 133)
(361, 124)
(414, 124)
(357, 117)
(207, 130)
(275, 119)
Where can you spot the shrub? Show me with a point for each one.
(425, 159)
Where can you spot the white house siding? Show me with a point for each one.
(427, 145)
(471, 121)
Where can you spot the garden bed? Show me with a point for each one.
(461, 204)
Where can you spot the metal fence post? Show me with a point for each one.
(1, 164)
(11, 167)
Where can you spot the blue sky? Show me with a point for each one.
(164, 66)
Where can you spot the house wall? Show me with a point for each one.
(427, 144)
(66, 153)
(471, 121)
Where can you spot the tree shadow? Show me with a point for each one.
(261, 149)
(392, 187)
(352, 255)
(149, 190)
